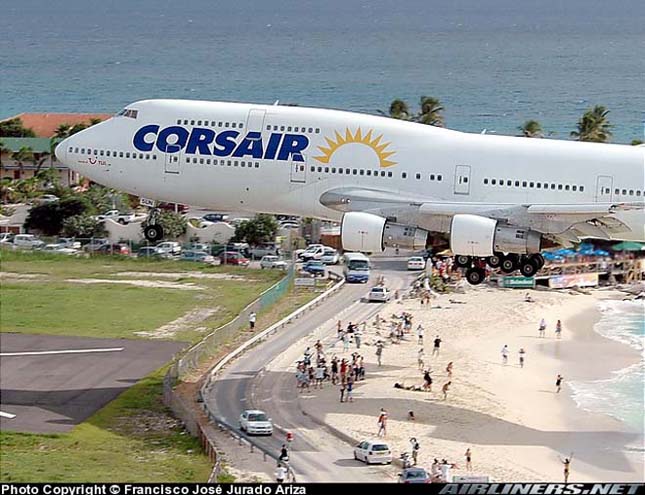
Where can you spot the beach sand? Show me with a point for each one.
(510, 417)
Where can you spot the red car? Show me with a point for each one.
(122, 249)
(233, 258)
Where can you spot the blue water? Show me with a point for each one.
(492, 63)
(621, 395)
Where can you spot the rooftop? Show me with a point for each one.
(45, 124)
(37, 145)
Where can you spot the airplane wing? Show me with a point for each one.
(565, 223)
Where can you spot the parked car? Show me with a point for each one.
(122, 249)
(27, 241)
(273, 262)
(117, 216)
(315, 267)
(200, 246)
(198, 256)
(169, 247)
(149, 252)
(379, 294)
(69, 242)
(60, 249)
(289, 225)
(233, 258)
(46, 198)
(256, 422)
(238, 247)
(416, 263)
(215, 217)
(6, 237)
(330, 256)
(313, 252)
(268, 248)
(373, 452)
(414, 475)
(95, 244)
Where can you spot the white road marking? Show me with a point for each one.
(7, 415)
(66, 351)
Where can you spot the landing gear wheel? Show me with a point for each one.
(495, 260)
(153, 233)
(509, 263)
(539, 259)
(462, 261)
(529, 267)
(475, 276)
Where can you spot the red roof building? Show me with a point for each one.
(45, 124)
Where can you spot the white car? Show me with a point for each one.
(416, 263)
(313, 252)
(255, 422)
(69, 242)
(373, 452)
(27, 241)
(272, 262)
(169, 247)
(47, 198)
(122, 218)
(329, 256)
(6, 237)
(60, 249)
(379, 294)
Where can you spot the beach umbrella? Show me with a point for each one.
(628, 246)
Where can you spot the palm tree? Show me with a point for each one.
(62, 131)
(95, 120)
(532, 129)
(398, 110)
(3, 149)
(24, 154)
(593, 126)
(430, 113)
(635, 142)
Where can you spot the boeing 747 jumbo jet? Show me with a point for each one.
(500, 199)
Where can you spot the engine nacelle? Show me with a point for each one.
(473, 235)
(371, 233)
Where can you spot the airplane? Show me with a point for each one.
(500, 199)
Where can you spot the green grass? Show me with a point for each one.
(132, 439)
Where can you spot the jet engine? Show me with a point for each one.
(473, 235)
(371, 233)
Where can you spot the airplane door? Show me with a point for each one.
(604, 185)
(255, 120)
(172, 159)
(462, 179)
(299, 171)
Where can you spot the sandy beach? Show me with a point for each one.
(511, 418)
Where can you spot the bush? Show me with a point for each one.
(173, 224)
(262, 228)
(50, 217)
(83, 226)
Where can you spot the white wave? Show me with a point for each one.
(623, 321)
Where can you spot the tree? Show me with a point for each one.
(173, 224)
(431, 112)
(83, 226)
(49, 218)
(636, 142)
(3, 149)
(593, 126)
(398, 110)
(24, 154)
(262, 228)
(532, 129)
(15, 128)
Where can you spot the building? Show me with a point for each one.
(44, 126)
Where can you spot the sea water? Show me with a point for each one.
(622, 394)
(493, 64)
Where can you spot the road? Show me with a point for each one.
(316, 455)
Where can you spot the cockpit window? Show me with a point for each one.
(128, 112)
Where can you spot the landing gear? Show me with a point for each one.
(475, 276)
(529, 266)
(540, 260)
(462, 261)
(153, 231)
(495, 260)
(509, 263)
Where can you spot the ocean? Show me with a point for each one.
(621, 395)
(493, 64)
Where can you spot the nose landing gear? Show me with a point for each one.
(153, 231)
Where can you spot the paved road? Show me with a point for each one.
(51, 383)
(315, 454)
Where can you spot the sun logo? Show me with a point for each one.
(375, 144)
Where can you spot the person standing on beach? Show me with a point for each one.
(415, 450)
(505, 354)
(558, 383)
(558, 329)
(420, 334)
(542, 327)
(521, 353)
(566, 462)
(437, 345)
(357, 337)
(334, 370)
(350, 388)
(342, 391)
(449, 369)
(379, 352)
(339, 328)
(252, 319)
(345, 341)
(382, 423)
(468, 455)
(420, 360)
(444, 389)
(427, 381)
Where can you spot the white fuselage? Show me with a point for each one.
(282, 159)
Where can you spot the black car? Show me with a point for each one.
(215, 217)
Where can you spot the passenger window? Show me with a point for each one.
(120, 154)
(552, 186)
(617, 191)
(638, 193)
(404, 175)
(82, 151)
(154, 157)
(566, 187)
(311, 129)
(389, 174)
(575, 188)
(354, 171)
(101, 153)
(244, 164)
(289, 129)
(96, 152)
(346, 171)
(319, 169)
(369, 172)
(333, 170)
(313, 169)
(559, 187)
(127, 155)
(493, 182)
(179, 122)
(465, 180)
(219, 124)
(199, 122)
(531, 184)
(317, 131)
(185, 122)
(257, 165)
(282, 128)
(340, 170)
(268, 128)
(382, 173)
(187, 160)
(582, 188)
(239, 126)
(538, 185)
(624, 192)
(517, 183)
(235, 163)
(326, 170)
(275, 127)
(631, 192)
(192, 122)
(432, 178)
(212, 123)
(523, 183)
(140, 156)
(228, 163)
(419, 176)
(233, 125)
(439, 177)
(147, 157)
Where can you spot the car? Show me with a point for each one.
(69, 242)
(169, 247)
(314, 267)
(255, 422)
(268, 248)
(373, 452)
(117, 216)
(6, 237)
(414, 475)
(122, 249)
(149, 252)
(416, 263)
(313, 252)
(330, 256)
(198, 256)
(27, 241)
(273, 262)
(46, 198)
(289, 225)
(60, 249)
(379, 294)
(200, 246)
(215, 217)
(95, 244)
(233, 258)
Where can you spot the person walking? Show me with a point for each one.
(558, 383)
(342, 391)
(542, 327)
(437, 345)
(444, 389)
(334, 370)
(415, 450)
(420, 334)
(350, 388)
(357, 337)
(252, 318)
(468, 455)
(382, 423)
(521, 352)
(505, 354)
(280, 473)
(427, 381)
(379, 352)
(449, 369)
(558, 329)
(420, 360)
(345, 341)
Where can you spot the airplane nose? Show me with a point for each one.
(61, 151)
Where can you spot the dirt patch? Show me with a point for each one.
(185, 322)
(178, 275)
(22, 276)
(155, 284)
